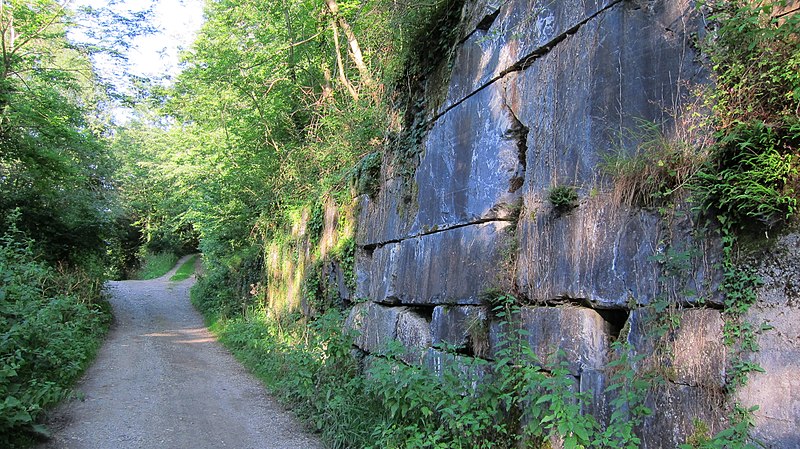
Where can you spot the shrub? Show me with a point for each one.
(51, 324)
(563, 198)
(747, 177)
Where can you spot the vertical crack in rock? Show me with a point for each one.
(516, 132)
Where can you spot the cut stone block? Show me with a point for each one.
(693, 354)
(473, 165)
(521, 30)
(776, 391)
(461, 327)
(414, 332)
(580, 334)
(470, 370)
(599, 252)
(376, 325)
(448, 267)
(385, 218)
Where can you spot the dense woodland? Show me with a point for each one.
(282, 108)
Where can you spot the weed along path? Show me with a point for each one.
(162, 381)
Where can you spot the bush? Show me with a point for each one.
(51, 323)
(563, 198)
(755, 54)
(747, 178)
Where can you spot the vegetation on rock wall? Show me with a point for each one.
(744, 183)
(283, 114)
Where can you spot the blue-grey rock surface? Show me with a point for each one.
(540, 95)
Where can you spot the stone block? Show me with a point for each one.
(375, 325)
(612, 256)
(693, 354)
(580, 334)
(480, 14)
(676, 409)
(385, 218)
(628, 65)
(593, 384)
(692, 361)
(473, 165)
(414, 333)
(461, 327)
(378, 274)
(599, 252)
(469, 370)
(449, 267)
(521, 30)
(578, 99)
(776, 391)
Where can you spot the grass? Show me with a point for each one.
(185, 270)
(156, 265)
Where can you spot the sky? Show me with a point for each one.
(156, 55)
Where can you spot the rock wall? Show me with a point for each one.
(540, 93)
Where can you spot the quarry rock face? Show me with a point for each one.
(776, 391)
(540, 96)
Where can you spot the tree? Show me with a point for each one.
(53, 165)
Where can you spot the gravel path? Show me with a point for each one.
(162, 381)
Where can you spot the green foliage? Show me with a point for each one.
(563, 198)
(512, 400)
(185, 270)
(628, 407)
(426, 34)
(316, 223)
(228, 282)
(54, 167)
(747, 178)
(736, 436)
(755, 55)
(345, 255)
(365, 178)
(156, 265)
(51, 323)
(754, 51)
(739, 286)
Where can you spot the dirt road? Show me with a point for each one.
(162, 381)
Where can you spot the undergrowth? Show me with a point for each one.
(51, 325)
(512, 401)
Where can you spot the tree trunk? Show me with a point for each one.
(352, 43)
(340, 63)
